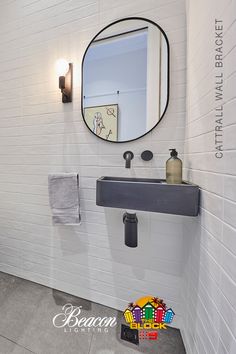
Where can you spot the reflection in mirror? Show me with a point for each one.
(125, 80)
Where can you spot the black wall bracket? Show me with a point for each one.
(131, 229)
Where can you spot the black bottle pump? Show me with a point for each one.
(173, 152)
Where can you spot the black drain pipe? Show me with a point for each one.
(131, 229)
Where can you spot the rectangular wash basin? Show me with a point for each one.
(147, 194)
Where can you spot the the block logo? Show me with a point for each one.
(148, 313)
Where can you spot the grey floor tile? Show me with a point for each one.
(169, 342)
(26, 313)
(8, 285)
(98, 310)
(18, 305)
(8, 347)
(43, 338)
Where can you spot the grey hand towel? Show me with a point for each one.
(63, 191)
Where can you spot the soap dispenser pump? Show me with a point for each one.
(173, 168)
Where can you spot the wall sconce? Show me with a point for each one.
(64, 71)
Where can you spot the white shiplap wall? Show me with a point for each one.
(209, 292)
(40, 135)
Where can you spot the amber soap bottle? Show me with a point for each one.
(173, 168)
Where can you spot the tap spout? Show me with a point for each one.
(128, 156)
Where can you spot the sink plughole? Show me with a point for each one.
(146, 194)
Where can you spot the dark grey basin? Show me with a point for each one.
(148, 195)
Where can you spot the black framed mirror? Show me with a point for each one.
(125, 80)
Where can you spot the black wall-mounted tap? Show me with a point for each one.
(128, 156)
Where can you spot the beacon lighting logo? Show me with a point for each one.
(71, 320)
(148, 314)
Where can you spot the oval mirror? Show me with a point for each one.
(125, 80)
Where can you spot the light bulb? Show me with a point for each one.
(62, 67)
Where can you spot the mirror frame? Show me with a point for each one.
(168, 75)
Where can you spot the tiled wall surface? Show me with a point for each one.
(209, 294)
(40, 135)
